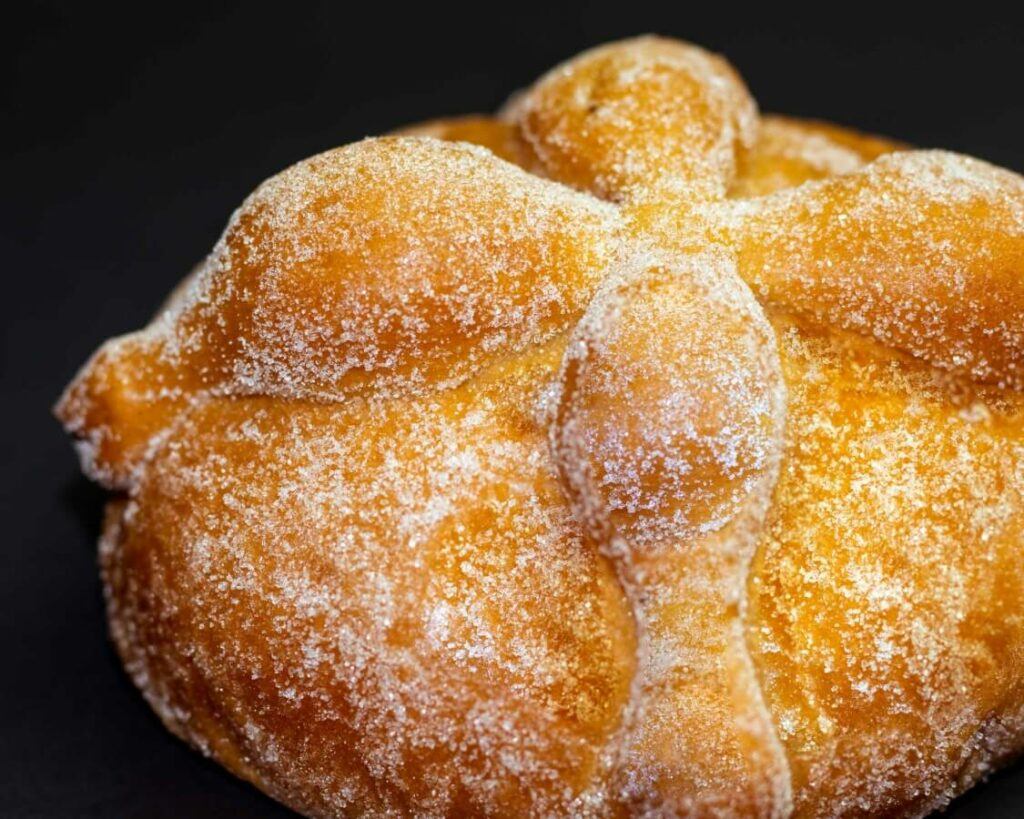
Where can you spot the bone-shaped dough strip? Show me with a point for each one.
(355, 270)
(641, 118)
(923, 250)
(667, 437)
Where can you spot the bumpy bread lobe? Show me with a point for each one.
(375, 609)
(642, 118)
(386, 266)
(922, 250)
(887, 598)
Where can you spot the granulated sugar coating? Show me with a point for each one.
(375, 607)
(668, 435)
(451, 490)
(941, 281)
(672, 402)
(640, 118)
(389, 265)
(887, 601)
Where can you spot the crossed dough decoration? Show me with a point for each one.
(677, 471)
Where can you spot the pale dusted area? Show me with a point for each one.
(646, 456)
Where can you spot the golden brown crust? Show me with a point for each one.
(789, 152)
(821, 250)
(885, 603)
(375, 608)
(638, 118)
(500, 137)
(353, 271)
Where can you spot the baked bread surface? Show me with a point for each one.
(648, 457)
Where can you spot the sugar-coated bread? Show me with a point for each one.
(623, 454)
(389, 265)
(789, 152)
(667, 437)
(640, 117)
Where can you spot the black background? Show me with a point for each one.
(131, 134)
